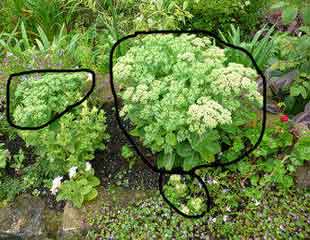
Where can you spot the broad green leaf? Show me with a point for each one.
(165, 161)
(137, 132)
(169, 160)
(86, 189)
(78, 200)
(184, 149)
(306, 15)
(92, 195)
(171, 139)
(93, 181)
(278, 5)
(289, 14)
(192, 161)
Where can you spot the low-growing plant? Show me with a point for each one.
(128, 154)
(4, 155)
(79, 189)
(183, 98)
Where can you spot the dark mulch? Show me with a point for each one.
(109, 163)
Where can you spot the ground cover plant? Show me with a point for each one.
(186, 98)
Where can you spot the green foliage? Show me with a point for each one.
(65, 50)
(180, 119)
(49, 14)
(162, 14)
(79, 190)
(18, 162)
(57, 91)
(69, 141)
(261, 47)
(218, 15)
(128, 154)
(301, 151)
(290, 10)
(4, 155)
(183, 192)
(277, 215)
(293, 53)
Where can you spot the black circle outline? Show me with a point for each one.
(57, 116)
(160, 182)
(192, 171)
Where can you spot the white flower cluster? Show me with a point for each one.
(180, 85)
(235, 80)
(56, 184)
(207, 113)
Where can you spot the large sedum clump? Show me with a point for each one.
(180, 94)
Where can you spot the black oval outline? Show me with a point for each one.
(57, 116)
(214, 164)
(161, 180)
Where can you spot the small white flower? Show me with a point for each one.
(89, 77)
(256, 203)
(72, 171)
(225, 218)
(56, 184)
(212, 181)
(212, 220)
(88, 166)
(228, 209)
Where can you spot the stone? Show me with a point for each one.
(303, 175)
(23, 217)
(72, 219)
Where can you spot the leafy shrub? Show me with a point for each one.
(290, 71)
(161, 14)
(67, 142)
(37, 99)
(220, 14)
(291, 9)
(182, 98)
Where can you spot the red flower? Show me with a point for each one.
(283, 118)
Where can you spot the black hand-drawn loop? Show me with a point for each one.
(244, 154)
(202, 184)
(58, 115)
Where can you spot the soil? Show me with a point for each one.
(111, 168)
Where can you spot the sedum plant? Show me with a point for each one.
(181, 96)
(67, 142)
